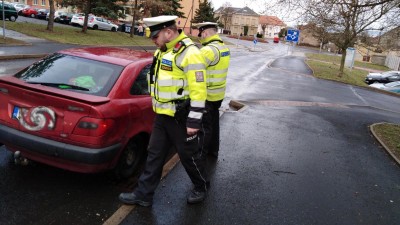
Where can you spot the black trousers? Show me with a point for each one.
(209, 135)
(167, 133)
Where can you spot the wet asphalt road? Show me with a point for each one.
(300, 153)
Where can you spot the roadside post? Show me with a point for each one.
(255, 42)
(4, 20)
(350, 55)
(292, 37)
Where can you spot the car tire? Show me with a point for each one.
(12, 18)
(131, 158)
(32, 15)
(113, 29)
(95, 27)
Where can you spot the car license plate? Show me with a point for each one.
(15, 114)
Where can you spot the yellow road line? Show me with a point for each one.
(124, 210)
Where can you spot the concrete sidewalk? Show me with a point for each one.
(34, 48)
(37, 47)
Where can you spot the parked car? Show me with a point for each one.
(42, 14)
(65, 18)
(385, 77)
(276, 39)
(57, 16)
(392, 86)
(19, 7)
(77, 19)
(100, 23)
(10, 12)
(84, 109)
(30, 12)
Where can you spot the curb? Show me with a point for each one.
(22, 56)
(371, 128)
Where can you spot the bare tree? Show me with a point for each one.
(344, 20)
(226, 14)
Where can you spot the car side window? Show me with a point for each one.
(140, 86)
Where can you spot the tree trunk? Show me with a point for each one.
(133, 20)
(50, 23)
(87, 12)
(342, 61)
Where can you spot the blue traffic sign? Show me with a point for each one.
(293, 35)
(255, 41)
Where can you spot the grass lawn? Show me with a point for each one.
(73, 35)
(390, 135)
(330, 72)
(336, 60)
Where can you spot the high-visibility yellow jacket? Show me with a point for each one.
(217, 56)
(179, 73)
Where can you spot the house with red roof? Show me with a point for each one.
(270, 26)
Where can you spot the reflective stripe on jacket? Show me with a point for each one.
(217, 56)
(179, 74)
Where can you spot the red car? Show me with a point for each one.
(30, 12)
(276, 39)
(84, 109)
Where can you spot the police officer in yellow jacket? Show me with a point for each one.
(177, 83)
(217, 56)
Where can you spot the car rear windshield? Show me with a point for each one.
(66, 71)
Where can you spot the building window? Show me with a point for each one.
(35, 2)
(43, 2)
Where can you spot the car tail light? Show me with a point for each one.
(91, 20)
(93, 127)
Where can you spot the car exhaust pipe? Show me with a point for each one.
(19, 159)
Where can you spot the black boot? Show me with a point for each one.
(196, 197)
(131, 199)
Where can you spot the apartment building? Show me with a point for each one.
(238, 20)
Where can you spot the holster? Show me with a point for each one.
(182, 108)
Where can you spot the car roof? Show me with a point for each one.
(114, 55)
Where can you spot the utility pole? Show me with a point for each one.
(192, 18)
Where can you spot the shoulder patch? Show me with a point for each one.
(199, 76)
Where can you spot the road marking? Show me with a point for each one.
(274, 103)
(359, 96)
(124, 210)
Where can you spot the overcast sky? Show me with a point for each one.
(257, 6)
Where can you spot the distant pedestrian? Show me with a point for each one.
(140, 30)
(178, 87)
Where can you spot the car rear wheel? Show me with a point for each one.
(131, 158)
(33, 15)
(113, 29)
(95, 27)
(12, 18)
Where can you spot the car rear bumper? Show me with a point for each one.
(58, 152)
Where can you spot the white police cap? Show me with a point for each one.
(158, 23)
(204, 25)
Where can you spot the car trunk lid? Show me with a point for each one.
(45, 111)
